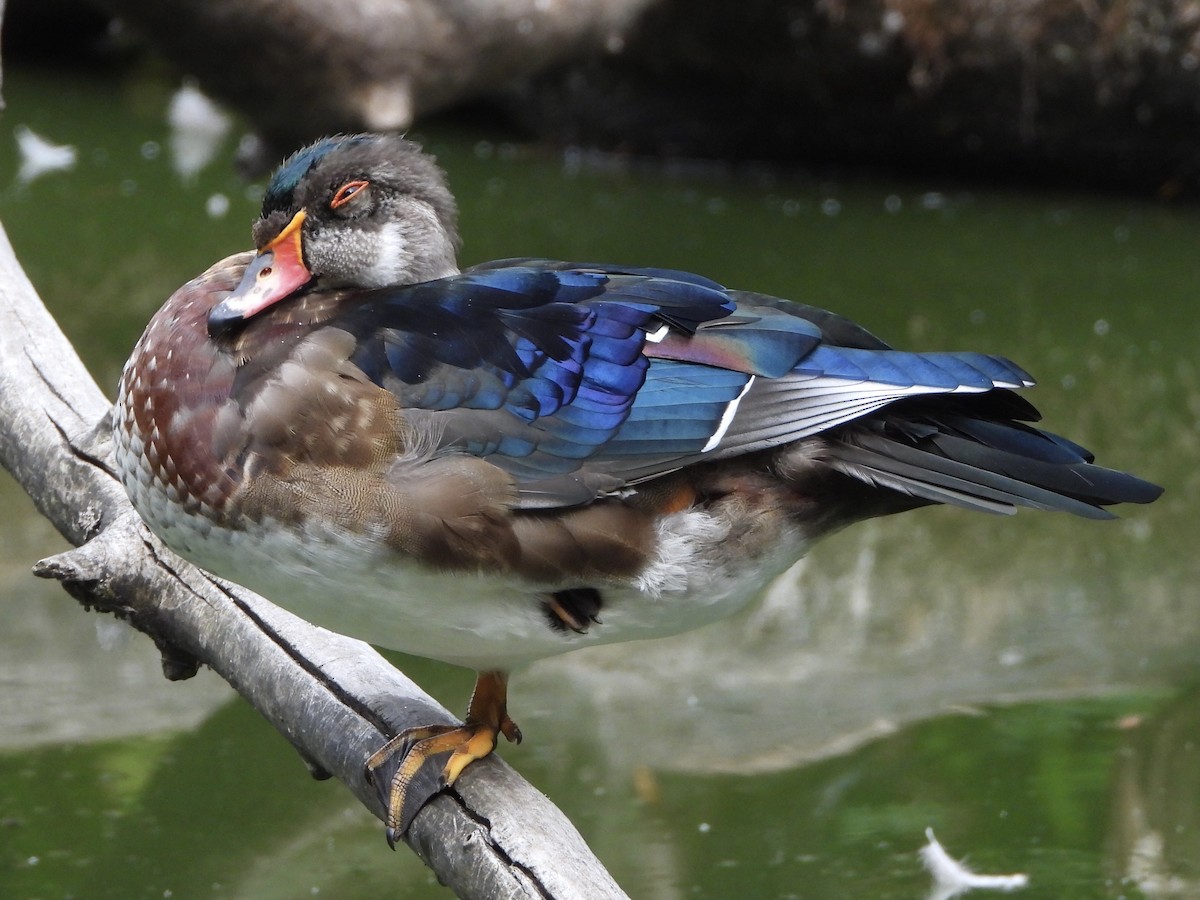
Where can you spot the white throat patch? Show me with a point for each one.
(392, 259)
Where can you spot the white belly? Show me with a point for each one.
(350, 585)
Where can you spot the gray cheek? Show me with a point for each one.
(343, 257)
(392, 258)
(402, 244)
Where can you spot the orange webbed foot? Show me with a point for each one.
(487, 719)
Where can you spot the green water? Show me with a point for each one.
(1024, 686)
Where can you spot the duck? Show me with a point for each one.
(494, 465)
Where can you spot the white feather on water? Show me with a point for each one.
(952, 879)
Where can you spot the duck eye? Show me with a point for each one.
(346, 193)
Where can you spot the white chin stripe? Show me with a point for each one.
(392, 258)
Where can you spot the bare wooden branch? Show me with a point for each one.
(333, 698)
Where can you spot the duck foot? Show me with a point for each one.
(573, 608)
(487, 718)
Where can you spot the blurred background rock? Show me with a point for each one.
(1041, 91)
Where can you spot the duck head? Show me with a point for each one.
(353, 211)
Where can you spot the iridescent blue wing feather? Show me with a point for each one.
(583, 379)
(535, 368)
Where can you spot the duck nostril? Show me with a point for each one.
(264, 272)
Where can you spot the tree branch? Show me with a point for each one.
(335, 699)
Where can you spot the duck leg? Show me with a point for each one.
(487, 718)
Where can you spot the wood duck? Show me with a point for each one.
(492, 466)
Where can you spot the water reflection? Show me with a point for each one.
(887, 625)
(1155, 830)
(40, 156)
(198, 130)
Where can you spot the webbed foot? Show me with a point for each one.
(487, 718)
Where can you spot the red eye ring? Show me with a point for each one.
(346, 192)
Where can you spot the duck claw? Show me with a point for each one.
(413, 783)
